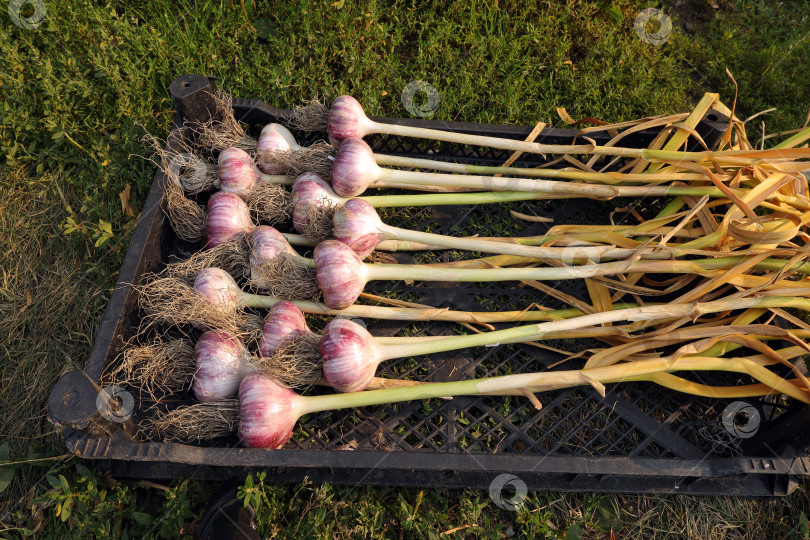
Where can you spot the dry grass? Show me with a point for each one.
(705, 518)
(50, 301)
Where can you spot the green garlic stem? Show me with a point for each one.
(537, 148)
(396, 272)
(607, 177)
(385, 245)
(518, 247)
(537, 331)
(535, 382)
(246, 300)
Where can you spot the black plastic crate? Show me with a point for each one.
(639, 438)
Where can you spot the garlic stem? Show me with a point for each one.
(534, 382)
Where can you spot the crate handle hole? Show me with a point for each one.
(741, 419)
(713, 117)
(115, 404)
(71, 399)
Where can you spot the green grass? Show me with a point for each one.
(74, 88)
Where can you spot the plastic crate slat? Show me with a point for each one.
(657, 432)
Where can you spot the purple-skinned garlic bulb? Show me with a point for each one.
(217, 287)
(274, 138)
(349, 354)
(265, 195)
(358, 225)
(222, 363)
(354, 168)
(340, 273)
(237, 172)
(288, 349)
(267, 413)
(219, 294)
(284, 323)
(266, 243)
(347, 119)
(228, 218)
